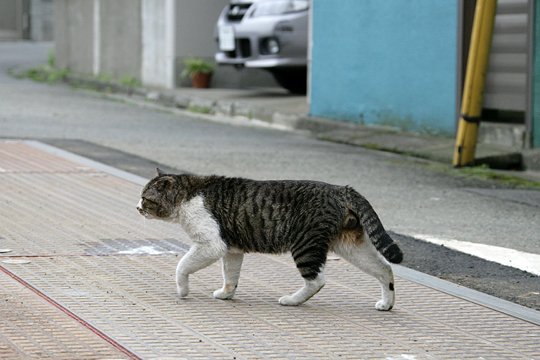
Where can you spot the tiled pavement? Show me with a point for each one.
(98, 283)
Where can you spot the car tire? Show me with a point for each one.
(292, 79)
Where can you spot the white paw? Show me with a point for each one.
(182, 291)
(289, 300)
(382, 305)
(222, 294)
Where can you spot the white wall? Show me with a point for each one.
(195, 27)
(158, 43)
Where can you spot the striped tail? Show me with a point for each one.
(374, 228)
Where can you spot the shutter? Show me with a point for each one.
(508, 72)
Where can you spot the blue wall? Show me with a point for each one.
(389, 62)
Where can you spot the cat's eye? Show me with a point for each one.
(148, 202)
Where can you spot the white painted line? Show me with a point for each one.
(144, 250)
(16, 261)
(509, 257)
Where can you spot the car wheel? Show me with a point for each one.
(292, 79)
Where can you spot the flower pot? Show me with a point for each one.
(201, 80)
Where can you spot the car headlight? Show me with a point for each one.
(278, 7)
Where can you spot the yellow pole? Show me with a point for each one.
(471, 102)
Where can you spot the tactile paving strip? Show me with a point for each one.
(32, 328)
(79, 252)
(132, 299)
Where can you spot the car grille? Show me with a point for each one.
(243, 49)
(236, 12)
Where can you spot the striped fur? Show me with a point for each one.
(307, 218)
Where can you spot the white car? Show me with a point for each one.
(266, 34)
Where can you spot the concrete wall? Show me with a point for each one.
(98, 36)
(158, 43)
(26, 19)
(195, 26)
(41, 19)
(389, 62)
(11, 19)
(146, 39)
(74, 35)
(195, 23)
(120, 38)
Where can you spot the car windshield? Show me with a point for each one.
(278, 7)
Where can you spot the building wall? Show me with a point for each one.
(145, 39)
(158, 42)
(41, 20)
(11, 13)
(387, 62)
(120, 38)
(195, 22)
(195, 25)
(92, 38)
(74, 35)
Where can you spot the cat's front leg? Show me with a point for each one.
(197, 258)
(231, 265)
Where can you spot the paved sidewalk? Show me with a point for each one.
(97, 281)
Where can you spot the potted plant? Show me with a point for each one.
(199, 71)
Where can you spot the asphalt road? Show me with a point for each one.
(410, 197)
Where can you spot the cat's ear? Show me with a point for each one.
(165, 183)
(160, 172)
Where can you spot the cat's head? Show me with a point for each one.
(159, 198)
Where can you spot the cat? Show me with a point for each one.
(227, 217)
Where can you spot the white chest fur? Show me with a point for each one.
(199, 223)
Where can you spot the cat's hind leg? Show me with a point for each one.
(310, 262)
(198, 257)
(231, 265)
(359, 251)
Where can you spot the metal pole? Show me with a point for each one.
(471, 104)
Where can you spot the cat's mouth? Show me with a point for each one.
(143, 212)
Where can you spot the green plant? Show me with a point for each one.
(483, 172)
(46, 73)
(51, 59)
(104, 77)
(196, 65)
(130, 81)
(199, 109)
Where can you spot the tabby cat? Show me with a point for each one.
(227, 217)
